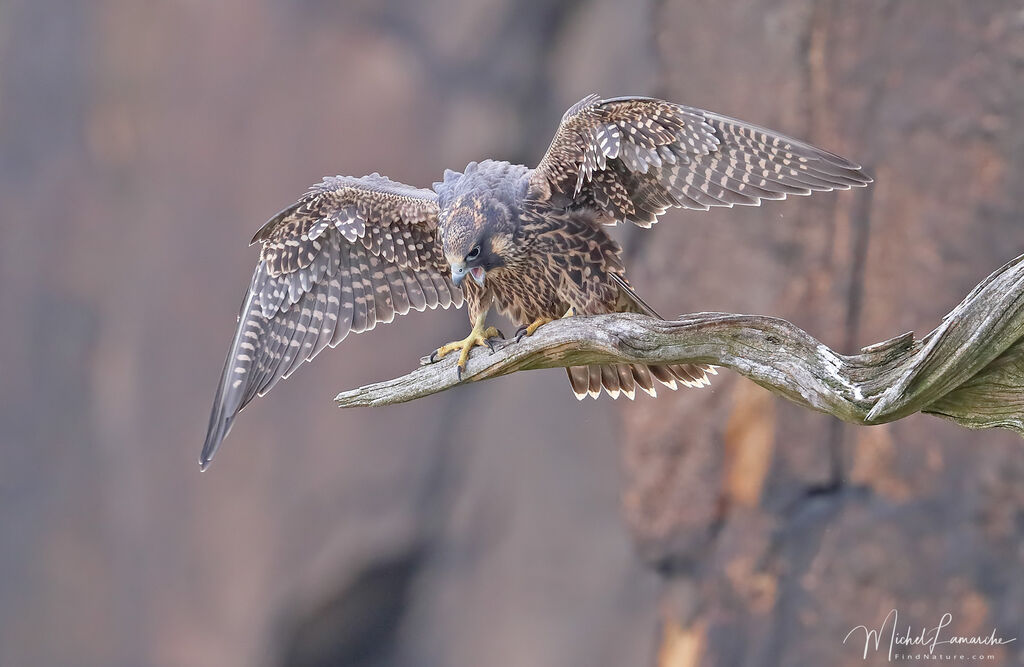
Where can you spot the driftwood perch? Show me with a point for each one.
(970, 369)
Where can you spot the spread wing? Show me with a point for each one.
(634, 157)
(350, 254)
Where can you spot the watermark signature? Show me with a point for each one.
(936, 639)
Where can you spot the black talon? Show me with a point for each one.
(520, 333)
(433, 356)
(458, 373)
(490, 344)
(500, 335)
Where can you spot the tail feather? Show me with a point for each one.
(625, 378)
(682, 374)
(610, 380)
(664, 376)
(626, 382)
(594, 388)
(643, 379)
(579, 378)
(692, 375)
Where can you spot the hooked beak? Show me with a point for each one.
(459, 272)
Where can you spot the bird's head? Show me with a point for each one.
(476, 233)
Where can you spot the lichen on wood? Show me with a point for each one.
(970, 369)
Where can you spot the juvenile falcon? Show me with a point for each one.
(355, 252)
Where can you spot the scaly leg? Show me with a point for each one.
(528, 329)
(478, 336)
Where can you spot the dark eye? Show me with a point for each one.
(474, 253)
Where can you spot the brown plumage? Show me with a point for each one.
(354, 252)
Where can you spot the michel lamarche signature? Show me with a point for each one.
(930, 637)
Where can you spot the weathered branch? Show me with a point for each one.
(970, 369)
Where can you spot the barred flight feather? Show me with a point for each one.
(350, 254)
(633, 158)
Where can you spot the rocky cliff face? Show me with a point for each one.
(782, 526)
(504, 524)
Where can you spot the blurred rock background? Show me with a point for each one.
(141, 144)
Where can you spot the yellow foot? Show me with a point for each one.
(474, 339)
(528, 329)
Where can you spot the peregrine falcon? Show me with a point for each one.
(354, 252)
